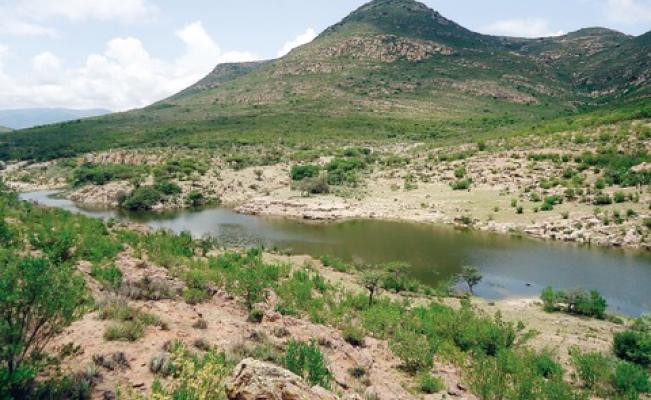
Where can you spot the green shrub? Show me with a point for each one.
(109, 276)
(256, 316)
(619, 197)
(633, 346)
(101, 174)
(195, 199)
(576, 301)
(594, 369)
(602, 200)
(195, 296)
(413, 350)
(631, 380)
(460, 172)
(33, 289)
(334, 263)
(315, 185)
(430, 384)
(548, 298)
(306, 360)
(129, 331)
(300, 172)
(463, 184)
(354, 335)
(142, 198)
(343, 170)
(168, 188)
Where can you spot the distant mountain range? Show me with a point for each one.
(391, 69)
(30, 117)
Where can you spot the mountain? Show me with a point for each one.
(30, 117)
(4, 129)
(391, 69)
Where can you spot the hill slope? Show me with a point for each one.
(392, 68)
(4, 129)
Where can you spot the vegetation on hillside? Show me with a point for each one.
(492, 352)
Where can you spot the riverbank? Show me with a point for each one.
(584, 187)
(486, 207)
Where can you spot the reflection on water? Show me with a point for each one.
(511, 266)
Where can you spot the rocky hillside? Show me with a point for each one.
(391, 69)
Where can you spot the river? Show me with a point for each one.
(511, 266)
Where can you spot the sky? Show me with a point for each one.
(122, 54)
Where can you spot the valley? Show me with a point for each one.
(400, 208)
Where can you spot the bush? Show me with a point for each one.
(594, 369)
(633, 346)
(168, 188)
(315, 185)
(343, 170)
(631, 380)
(548, 297)
(603, 200)
(619, 197)
(576, 301)
(129, 331)
(195, 296)
(463, 184)
(430, 384)
(300, 172)
(195, 199)
(413, 349)
(101, 174)
(354, 335)
(306, 360)
(256, 316)
(141, 199)
(110, 276)
(33, 289)
(357, 372)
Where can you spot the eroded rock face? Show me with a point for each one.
(257, 380)
(387, 48)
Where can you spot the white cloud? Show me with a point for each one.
(124, 75)
(129, 10)
(305, 37)
(629, 11)
(525, 27)
(47, 67)
(29, 17)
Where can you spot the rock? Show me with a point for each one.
(257, 380)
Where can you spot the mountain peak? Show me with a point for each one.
(407, 18)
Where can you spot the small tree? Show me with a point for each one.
(37, 300)
(371, 281)
(471, 276)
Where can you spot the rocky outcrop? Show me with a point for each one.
(257, 380)
(386, 48)
(101, 196)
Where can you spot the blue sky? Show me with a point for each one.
(129, 53)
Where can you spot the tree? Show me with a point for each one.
(371, 281)
(471, 276)
(37, 299)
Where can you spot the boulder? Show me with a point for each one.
(257, 380)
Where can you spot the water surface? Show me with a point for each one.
(511, 266)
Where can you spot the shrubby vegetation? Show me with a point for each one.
(575, 301)
(489, 350)
(100, 174)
